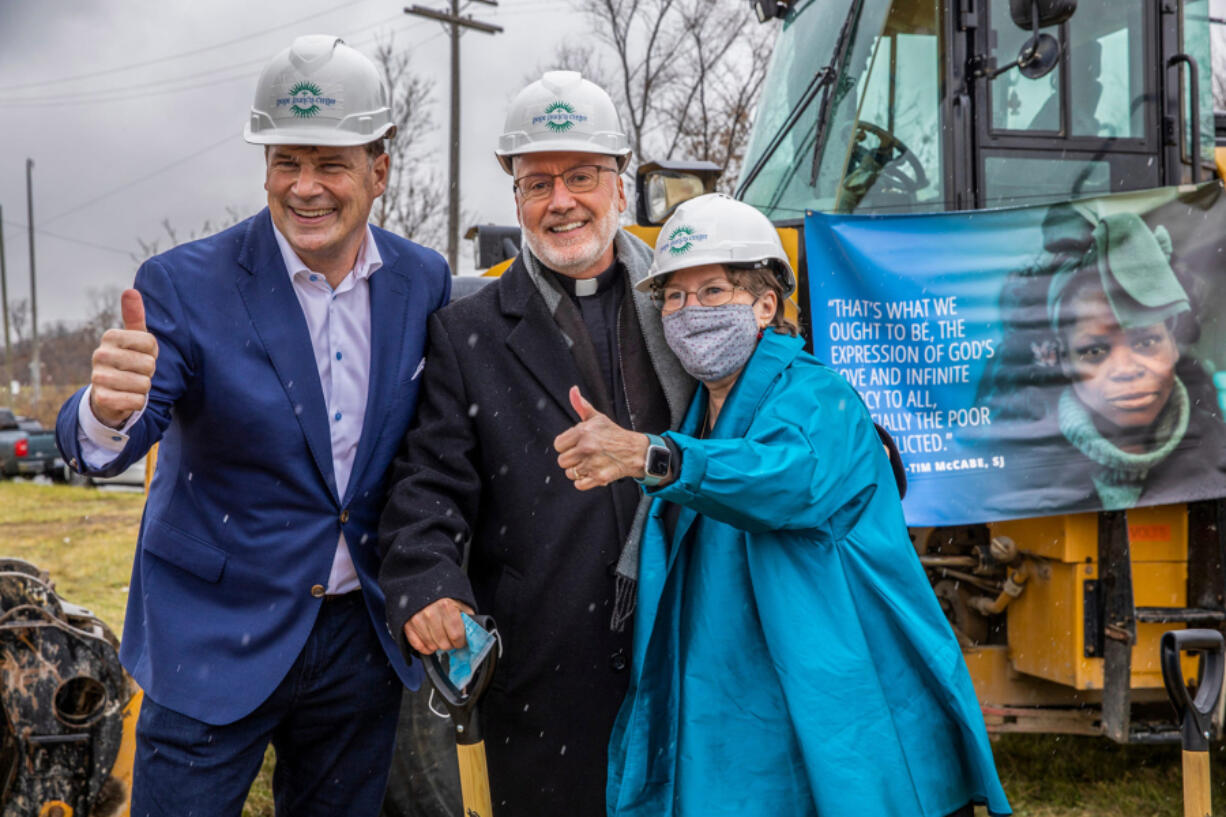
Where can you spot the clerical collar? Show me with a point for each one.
(589, 286)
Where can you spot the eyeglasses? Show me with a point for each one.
(581, 179)
(713, 293)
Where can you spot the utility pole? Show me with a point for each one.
(456, 22)
(35, 366)
(4, 306)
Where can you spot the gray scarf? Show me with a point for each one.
(678, 388)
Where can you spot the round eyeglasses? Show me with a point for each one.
(714, 293)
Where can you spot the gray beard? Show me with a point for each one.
(547, 257)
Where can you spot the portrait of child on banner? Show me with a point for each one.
(1099, 395)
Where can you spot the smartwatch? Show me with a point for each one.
(659, 461)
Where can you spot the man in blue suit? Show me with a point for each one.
(278, 363)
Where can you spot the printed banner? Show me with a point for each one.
(1035, 360)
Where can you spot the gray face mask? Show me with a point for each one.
(712, 342)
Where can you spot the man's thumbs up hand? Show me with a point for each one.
(132, 307)
(123, 365)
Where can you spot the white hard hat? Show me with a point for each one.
(319, 91)
(718, 229)
(563, 111)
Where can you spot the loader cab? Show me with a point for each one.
(889, 106)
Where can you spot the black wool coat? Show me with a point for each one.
(478, 466)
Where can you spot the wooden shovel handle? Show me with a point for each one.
(1196, 798)
(475, 780)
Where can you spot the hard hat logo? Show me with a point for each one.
(717, 229)
(562, 113)
(681, 240)
(559, 117)
(319, 91)
(305, 100)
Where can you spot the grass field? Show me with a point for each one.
(84, 538)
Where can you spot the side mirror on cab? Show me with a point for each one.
(1041, 53)
(767, 10)
(661, 186)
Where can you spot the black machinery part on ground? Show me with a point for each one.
(63, 693)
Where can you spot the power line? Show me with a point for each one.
(530, 5)
(224, 140)
(125, 96)
(100, 95)
(74, 95)
(130, 96)
(549, 5)
(193, 52)
(70, 239)
(228, 138)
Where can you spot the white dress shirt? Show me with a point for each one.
(339, 324)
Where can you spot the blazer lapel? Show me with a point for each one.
(536, 339)
(276, 315)
(389, 302)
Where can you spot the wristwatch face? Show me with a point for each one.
(658, 460)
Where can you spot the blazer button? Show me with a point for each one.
(344, 516)
(618, 661)
(318, 591)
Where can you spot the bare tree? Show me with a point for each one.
(710, 107)
(19, 313)
(578, 56)
(104, 311)
(150, 248)
(685, 74)
(415, 201)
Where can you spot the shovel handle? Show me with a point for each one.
(461, 704)
(474, 780)
(1193, 713)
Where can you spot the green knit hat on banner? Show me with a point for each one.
(1134, 267)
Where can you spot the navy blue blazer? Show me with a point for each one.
(244, 512)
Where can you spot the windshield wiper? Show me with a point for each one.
(820, 80)
(835, 69)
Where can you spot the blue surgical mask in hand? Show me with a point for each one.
(462, 663)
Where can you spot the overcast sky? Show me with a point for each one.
(118, 147)
(133, 110)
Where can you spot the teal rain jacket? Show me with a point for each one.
(789, 654)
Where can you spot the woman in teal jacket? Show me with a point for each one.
(789, 655)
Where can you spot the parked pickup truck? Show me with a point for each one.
(26, 449)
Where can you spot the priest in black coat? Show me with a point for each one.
(478, 472)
